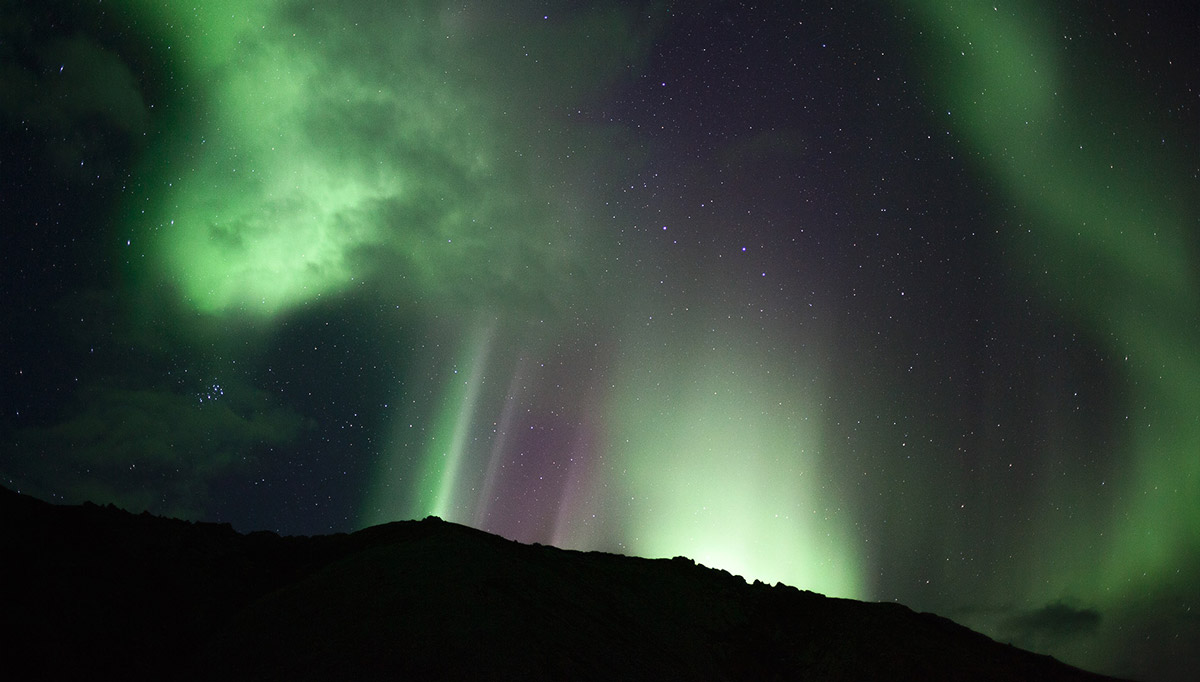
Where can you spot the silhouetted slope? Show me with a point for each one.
(99, 593)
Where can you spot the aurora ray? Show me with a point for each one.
(444, 461)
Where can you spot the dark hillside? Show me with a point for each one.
(97, 592)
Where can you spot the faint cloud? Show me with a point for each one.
(156, 449)
(1053, 624)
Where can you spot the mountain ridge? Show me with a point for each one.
(102, 592)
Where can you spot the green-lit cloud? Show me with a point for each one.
(414, 148)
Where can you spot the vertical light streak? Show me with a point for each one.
(577, 498)
(512, 398)
(444, 458)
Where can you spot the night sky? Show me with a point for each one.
(899, 301)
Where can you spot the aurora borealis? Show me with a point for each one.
(898, 302)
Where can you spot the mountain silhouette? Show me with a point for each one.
(98, 593)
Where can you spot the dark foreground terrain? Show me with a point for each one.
(97, 593)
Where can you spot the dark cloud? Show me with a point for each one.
(80, 99)
(156, 449)
(1053, 624)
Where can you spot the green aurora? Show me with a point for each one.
(1106, 220)
(313, 167)
(1104, 217)
(305, 178)
(547, 347)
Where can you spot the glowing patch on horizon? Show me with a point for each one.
(723, 465)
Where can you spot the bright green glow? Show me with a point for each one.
(266, 217)
(414, 150)
(232, 254)
(1106, 235)
(722, 462)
